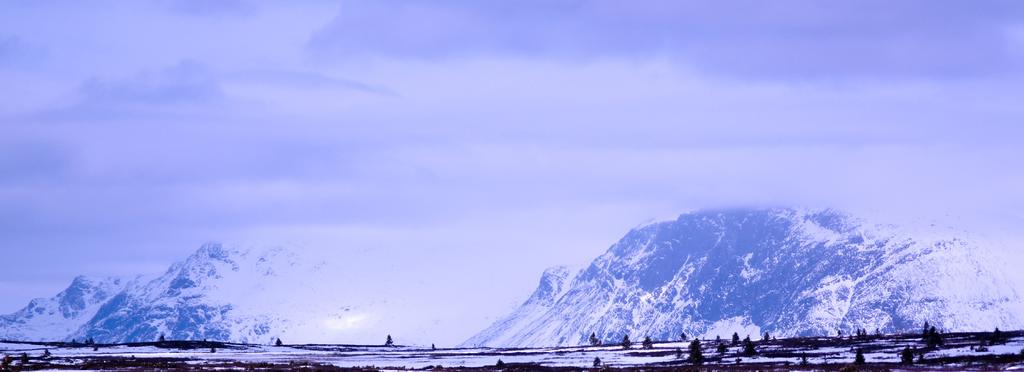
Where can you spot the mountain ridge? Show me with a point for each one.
(710, 272)
(249, 294)
(782, 270)
(58, 316)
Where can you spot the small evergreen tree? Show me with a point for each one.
(718, 339)
(696, 356)
(648, 343)
(593, 339)
(389, 341)
(682, 336)
(721, 348)
(748, 347)
(499, 364)
(933, 338)
(907, 356)
(95, 348)
(162, 338)
(924, 335)
(735, 339)
(859, 358)
(920, 358)
(24, 359)
(997, 337)
(213, 349)
(766, 337)
(278, 342)
(626, 343)
(597, 362)
(6, 362)
(803, 359)
(46, 353)
(432, 347)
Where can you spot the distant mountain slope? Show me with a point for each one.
(219, 293)
(784, 271)
(57, 317)
(179, 304)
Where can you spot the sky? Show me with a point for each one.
(482, 142)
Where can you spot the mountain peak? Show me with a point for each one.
(213, 251)
(84, 291)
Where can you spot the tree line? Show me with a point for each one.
(930, 337)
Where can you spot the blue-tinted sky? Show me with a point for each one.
(461, 134)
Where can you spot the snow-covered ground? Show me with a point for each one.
(959, 351)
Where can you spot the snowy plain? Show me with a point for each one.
(960, 351)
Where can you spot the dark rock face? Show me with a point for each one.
(784, 271)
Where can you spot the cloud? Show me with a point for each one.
(310, 80)
(185, 83)
(9, 46)
(27, 161)
(185, 88)
(189, 89)
(16, 52)
(205, 8)
(759, 39)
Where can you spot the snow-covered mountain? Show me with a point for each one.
(784, 271)
(240, 294)
(57, 317)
